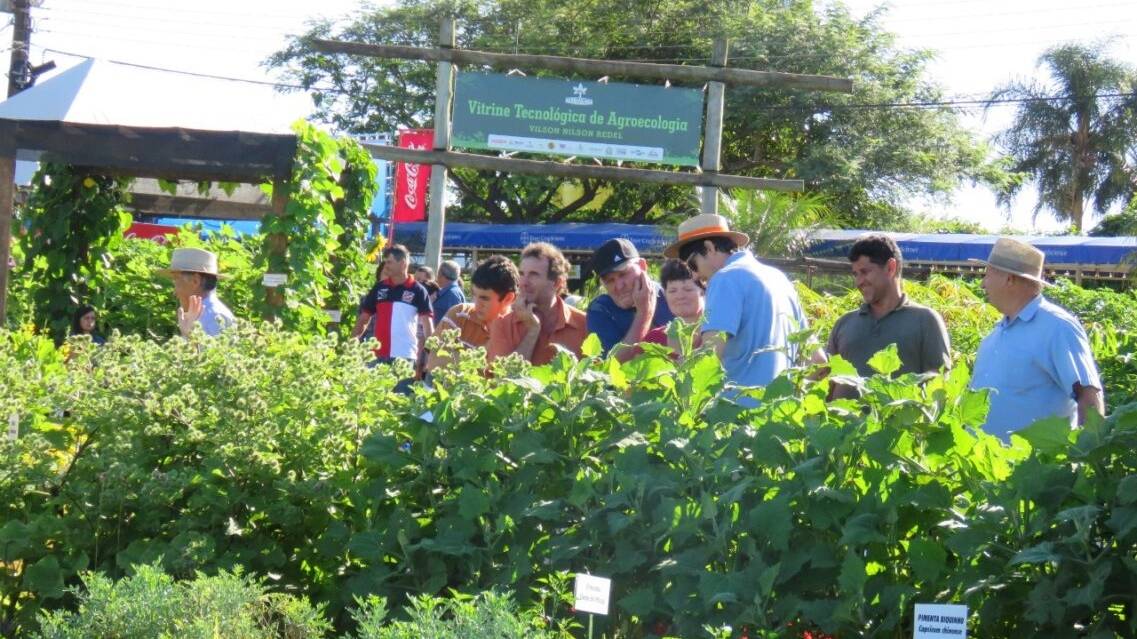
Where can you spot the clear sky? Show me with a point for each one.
(980, 44)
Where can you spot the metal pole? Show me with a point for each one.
(436, 217)
(712, 135)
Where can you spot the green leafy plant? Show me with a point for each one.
(74, 220)
(150, 604)
(285, 455)
(318, 240)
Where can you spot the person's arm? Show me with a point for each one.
(524, 311)
(644, 297)
(1089, 399)
(366, 310)
(448, 324)
(361, 321)
(715, 340)
(426, 323)
(937, 344)
(188, 317)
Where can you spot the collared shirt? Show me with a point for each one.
(611, 323)
(215, 316)
(919, 334)
(567, 327)
(1031, 363)
(395, 307)
(758, 309)
(448, 297)
(471, 332)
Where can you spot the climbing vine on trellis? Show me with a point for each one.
(74, 222)
(323, 227)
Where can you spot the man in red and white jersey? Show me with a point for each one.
(398, 303)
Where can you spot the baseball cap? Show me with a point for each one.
(613, 255)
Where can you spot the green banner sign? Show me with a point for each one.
(569, 117)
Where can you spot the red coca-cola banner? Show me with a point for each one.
(156, 232)
(411, 180)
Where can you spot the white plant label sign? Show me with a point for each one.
(272, 280)
(937, 621)
(591, 594)
(13, 427)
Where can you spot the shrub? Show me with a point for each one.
(152, 605)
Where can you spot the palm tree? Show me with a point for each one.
(779, 224)
(1073, 136)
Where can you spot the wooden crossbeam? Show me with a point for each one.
(597, 68)
(560, 169)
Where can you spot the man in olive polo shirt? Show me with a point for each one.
(886, 317)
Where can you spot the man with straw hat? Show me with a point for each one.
(195, 276)
(751, 308)
(1037, 360)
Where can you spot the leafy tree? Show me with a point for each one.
(1123, 223)
(866, 160)
(1073, 134)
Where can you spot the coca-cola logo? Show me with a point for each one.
(410, 172)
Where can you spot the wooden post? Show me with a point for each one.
(712, 134)
(7, 189)
(277, 245)
(436, 214)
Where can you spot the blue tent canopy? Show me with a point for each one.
(242, 227)
(954, 247)
(567, 237)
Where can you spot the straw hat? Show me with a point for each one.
(1016, 258)
(701, 227)
(192, 260)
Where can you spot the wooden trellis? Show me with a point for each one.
(717, 76)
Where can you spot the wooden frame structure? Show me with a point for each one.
(708, 179)
(165, 153)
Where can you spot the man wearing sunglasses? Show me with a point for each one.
(751, 308)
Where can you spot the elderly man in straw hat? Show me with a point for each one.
(1037, 360)
(195, 276)
(751, 308)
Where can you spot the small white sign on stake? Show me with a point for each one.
(272, 280)
(936, 621)
(591, 594)
(13, 427)
(334, 315)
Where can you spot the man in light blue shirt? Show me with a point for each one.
(1037, 360)
(449, 290)
(195, 276)
(751, 308)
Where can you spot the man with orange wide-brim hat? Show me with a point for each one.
(751, 308)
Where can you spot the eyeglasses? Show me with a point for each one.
(689, 259)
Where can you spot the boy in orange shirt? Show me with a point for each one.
(494, 286)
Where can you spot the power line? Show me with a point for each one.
(280, 85)
(953, 103)
(1081, 8)
(212, 12)
(119, 18)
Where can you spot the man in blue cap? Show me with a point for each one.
(634, 303)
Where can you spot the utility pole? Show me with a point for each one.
(21, 42)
